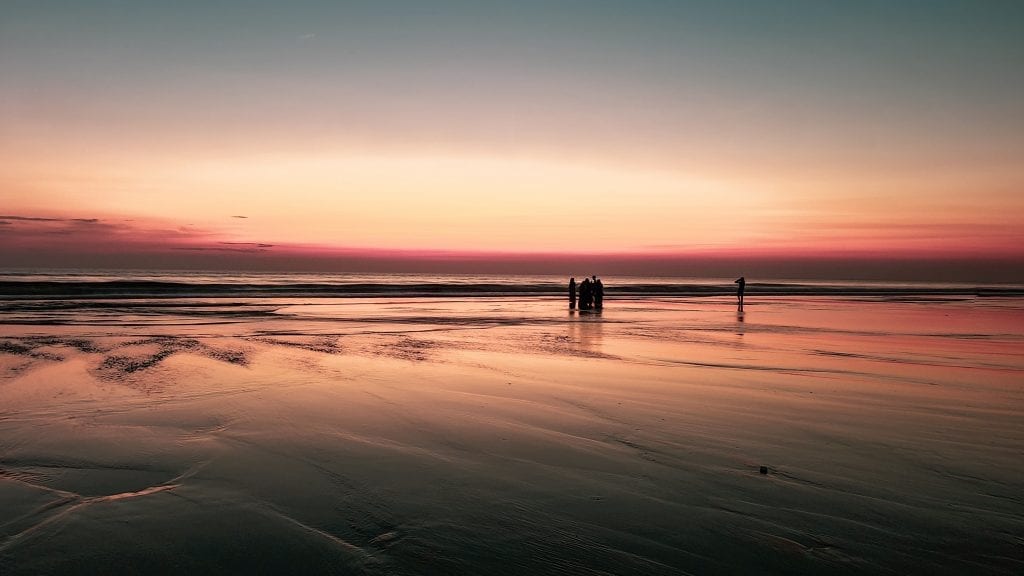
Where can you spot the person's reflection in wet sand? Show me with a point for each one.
(586, 334)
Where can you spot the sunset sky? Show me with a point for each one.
(261, 134)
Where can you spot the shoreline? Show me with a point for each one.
(29, 290)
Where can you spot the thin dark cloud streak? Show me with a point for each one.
(216, 249)
(93, 235)
(32, 218)
(46, 219)
(251, 244)
(226, 246)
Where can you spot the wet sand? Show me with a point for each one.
(508, 436)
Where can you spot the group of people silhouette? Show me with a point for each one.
(591, 293)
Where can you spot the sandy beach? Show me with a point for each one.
(509, 436)
(457, 288)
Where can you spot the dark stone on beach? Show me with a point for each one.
(764, 469)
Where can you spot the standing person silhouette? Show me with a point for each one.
(598, 293)
(572, 293)
(740, 285)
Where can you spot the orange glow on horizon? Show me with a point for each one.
(490, 205)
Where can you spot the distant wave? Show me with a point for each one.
(159, 289)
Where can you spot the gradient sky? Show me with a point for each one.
(842, 131)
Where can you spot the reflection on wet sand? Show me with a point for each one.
(586, 331)
(448, 436)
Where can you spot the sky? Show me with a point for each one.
(834, 139)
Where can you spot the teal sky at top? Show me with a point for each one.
(660, 76)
